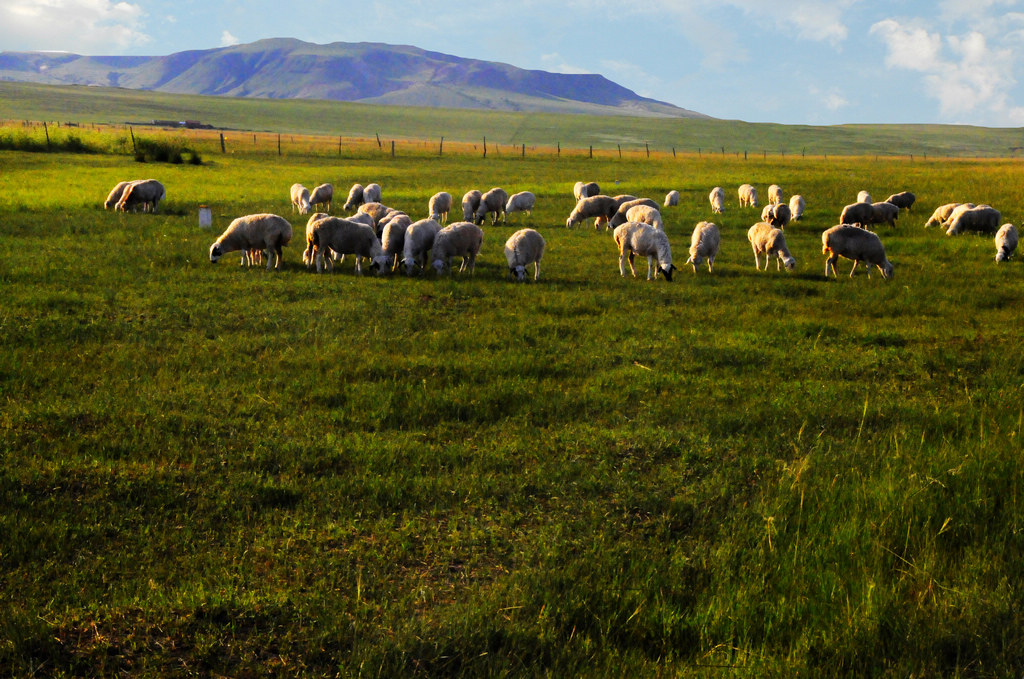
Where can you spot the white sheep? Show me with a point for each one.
(601, 208)
(254, 232)
(321, 197)
(748, 196)
(585, 189)
(372, 193)
(419, 239)
(983, 218)
(300, 199)
(765, 238)
(776, 214)
(355, 198)
(493, 203)
(902, 200)
(942, 214)
(145, 192)
(704, 244)
(392, 239)
(462, 239)
(634, 238)
(1006, 242)
(439, 205)
(647, 215)
(346, 237)
(620, 214)
(672, 198)
(309, 254)
(470, 203)
(796, 207)
(860, 212)
(524, 247)
(115, 195)
(376, 210)
(856, 244)
(717, 200)
(774, 194)
(520, 202)
(884, 213)
(864, 197)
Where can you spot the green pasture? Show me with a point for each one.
(213, 471)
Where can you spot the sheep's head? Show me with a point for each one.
(788, 260)
(410, 265)
(569, 222)
(519, 271)
(695, 261)
(215, 253)
(380, 263)
(667, 273)
(887, 270)
(438, 265)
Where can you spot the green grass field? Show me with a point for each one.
(213, 471)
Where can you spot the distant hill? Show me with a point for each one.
(373, 73)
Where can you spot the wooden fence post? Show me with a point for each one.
(47, 133)
(620, 151)
(278, 143)
(392, 148)
(591, 150)
(648, 146)
(485, 147)
(559, 149)
(222, 147)
(135, 149)
(440, 149)
(379, 147)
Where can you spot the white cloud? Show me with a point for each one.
(227, 40)
(88, 26)
(556, 64)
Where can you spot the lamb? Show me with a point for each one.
(300, 199)
(493, 203)
(470, 203)
(864, 197)
(346, 237)
(904, 199)
(717, 199)
(145, 192)
(633, 238)
(776, 214)
(983, 218)
(1006, 242)
(884, 213)
(392, 239)
(857, 213)
(748, 196)
(584, 190)
(419, 239)
(600, 207)
(704, 244)
(254, 232)
(647, 215)
(462, 239)
(372, 193)
(796, 207)
(859, 245)
(309, 254)
(774, 194)
(524, 247)
(322, 196)
(439, 205)
(766, 238)
(355, 198)
(672, 198)
(520, 202)
(620, 214)
(115, 195)
(942, 214)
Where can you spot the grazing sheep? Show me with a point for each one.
(145, 192)
(114, 197)
(392, 238)
(601, 208)
(524, 247)
(864, 197)
(647, 215)
(620, 214)
(520, 202)
(462, 239)
(584, 190)
(884, 213)
(765, 238)
(748, 196)
(309, 254)
(347, 237)
(493, 203)
(983, 218)
(355, 198)
(372, 193)
(942, 214)
(1006, 242)
(857, 213)
(300, 199)
(470, 203)
(624, 198)
(902, 200)
(672, 198)
(776, 214)
(439, 205)
(419, 239)
(704, 244)
(634, 238)
(717, 199)
(375, 210)
(322, 196)
(774, 194)
(856, 244)
(796, 207)
(254, 232)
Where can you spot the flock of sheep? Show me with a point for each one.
(389, 238)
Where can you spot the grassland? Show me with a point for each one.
(212, 471)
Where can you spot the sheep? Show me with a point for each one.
(983, 218)
(439, 205)
(672, 198)
(884, 213)
(300, 199)
(748, 196)
(419, 239)
(115, 195)
(1006, 242)
(355, 198)
(859, 245)
(600, 207)
(624, 198)
(857, 213)
(634, 238)
(260, 231)
(470, 203)
(145, 192)
(647, 215)
(766, 238)
(524, 247)
(904, 199)
(864, 197)
(309, 254)
(346, 237)
(391, 215)
(372, 193)
(620, 214)
(717, 199)
(704, 244)
(493, 203)
(375, 210)
(776, 214)
(584, 190)
(796, 207)
(392, 239)
(462, 239)
(322, 196)
(942, 214)
(774, 194)
(520, 202)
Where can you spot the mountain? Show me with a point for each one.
(373, 73)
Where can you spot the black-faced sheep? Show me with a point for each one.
(634, 238)
(254, 232)
(1006, 242)
(493, 203)
(300, 199)
(524, 247)
(765, 238)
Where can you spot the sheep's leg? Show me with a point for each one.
(757, 261)
(472, 263)
(854, 269)
(359, 265)
(711, 265)
(536, 270)
(650, 267)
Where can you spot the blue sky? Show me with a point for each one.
(797, 62)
